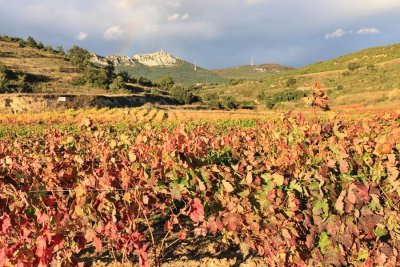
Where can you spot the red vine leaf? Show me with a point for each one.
(232, 221)
(196, 212)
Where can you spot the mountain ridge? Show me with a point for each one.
(155, 59)
(157, 65)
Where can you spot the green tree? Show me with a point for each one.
(182, 94)
(118, 84)
(40, 45)
(21, 84)
(21, 43)
(110, 71)
(125, 76)
(31, 42)
(167, 83)
(60, 50)
(80, 57)
(145, 82)
(3, 82)
(95, 76)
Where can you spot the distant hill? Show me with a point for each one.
(252, 72)
(157, 65)
(369, 77)
(365, 57)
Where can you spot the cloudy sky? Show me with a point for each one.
(213, 33)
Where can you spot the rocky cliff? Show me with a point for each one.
(158, 59)
(116, 60)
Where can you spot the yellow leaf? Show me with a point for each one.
(132, 156)
(70, 139)
(249, 178)
(278, 179)
(79, 211)
(113, 144)
(9, 161)
(228, 187)
(80, 191)
(127, 197)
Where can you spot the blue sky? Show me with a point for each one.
(213, 33)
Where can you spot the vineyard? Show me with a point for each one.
(290, 190)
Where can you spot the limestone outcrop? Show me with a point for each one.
(158, 59)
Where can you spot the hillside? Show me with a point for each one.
(45, 70)
(252, 72)
(366, 78)
(365, 57)
(157, 65)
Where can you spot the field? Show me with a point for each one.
(153, 187)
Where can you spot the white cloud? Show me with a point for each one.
(174, 3)
(173, 17)
(115, 33)
(253, 2)
(177, 16)
(185, 16)
(371, 30)
(339, 33)
(81, 36)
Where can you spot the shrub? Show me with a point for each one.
(290, 82)
(346, 73)
(145, 82)
(235, 81)
(210, 97)
(339, 87)
(352, 66)
(261, 96)
(371, 67)
(215, 104)
(284, 96)
(247, 104)
(230, 102)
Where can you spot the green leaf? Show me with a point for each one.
(175, 190)
(363, 254)
(380, 231)
(324, 242)
(321, 207)
(244, 193)
(296, 186)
